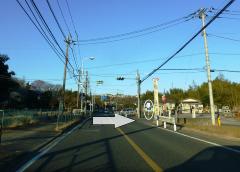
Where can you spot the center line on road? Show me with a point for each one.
(146, 158)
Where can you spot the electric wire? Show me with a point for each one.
(189, 41)
(64, 19)
(49, 31)
(158, 59)
(223, 37)
(56, 20)
(135, 36)
(74, 27)
(42, 32)
(138, 31)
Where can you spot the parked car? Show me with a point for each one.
(128, 112)
(106, 111)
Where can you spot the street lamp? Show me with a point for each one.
(86, 58)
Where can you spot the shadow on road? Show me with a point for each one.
(97, 155)
(86, 153)
(211, 159)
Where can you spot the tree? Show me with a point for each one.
(176, 95)
(6, 81)
(147, 95)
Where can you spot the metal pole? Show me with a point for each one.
(139, 94)
(212, 111)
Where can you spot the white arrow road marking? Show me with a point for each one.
(117, 120)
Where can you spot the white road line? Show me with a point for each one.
(201, 140)
(44, 150)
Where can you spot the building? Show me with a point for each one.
(187, 104)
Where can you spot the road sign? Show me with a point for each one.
(104, 98)
(148, 109)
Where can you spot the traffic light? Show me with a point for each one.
(99, 82)
(120, 78)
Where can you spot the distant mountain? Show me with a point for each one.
(44, 86)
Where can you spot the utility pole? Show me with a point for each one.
(138, 94)
(86, 89)
(79, 78)
(92, 95)
(202, 15)
(61, 103)
(82, 75)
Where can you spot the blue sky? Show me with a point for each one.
(32, 58)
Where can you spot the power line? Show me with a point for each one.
(226, 11)
(111, 76)
(69, 11)
(138, 61)
(137, 31)
(135, 36)
(73, 53)
(158, 59)
(189, 41)
(168, 73)
(55, 18)
(48, 29)
(233, 18)
(63, 16)
(223, 37)
(171, 69)
(72, 21)
(74, 58)
(46, 25)
(41, 31)
(225, 70)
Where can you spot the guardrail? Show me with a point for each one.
(165, 120)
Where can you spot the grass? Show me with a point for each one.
(15, 119)
(204, 125)
(225, 131)
(237, 115)
(19, 121)
(65, 125)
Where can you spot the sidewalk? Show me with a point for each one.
(23, 142)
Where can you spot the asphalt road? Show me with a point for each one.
(134, 147)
